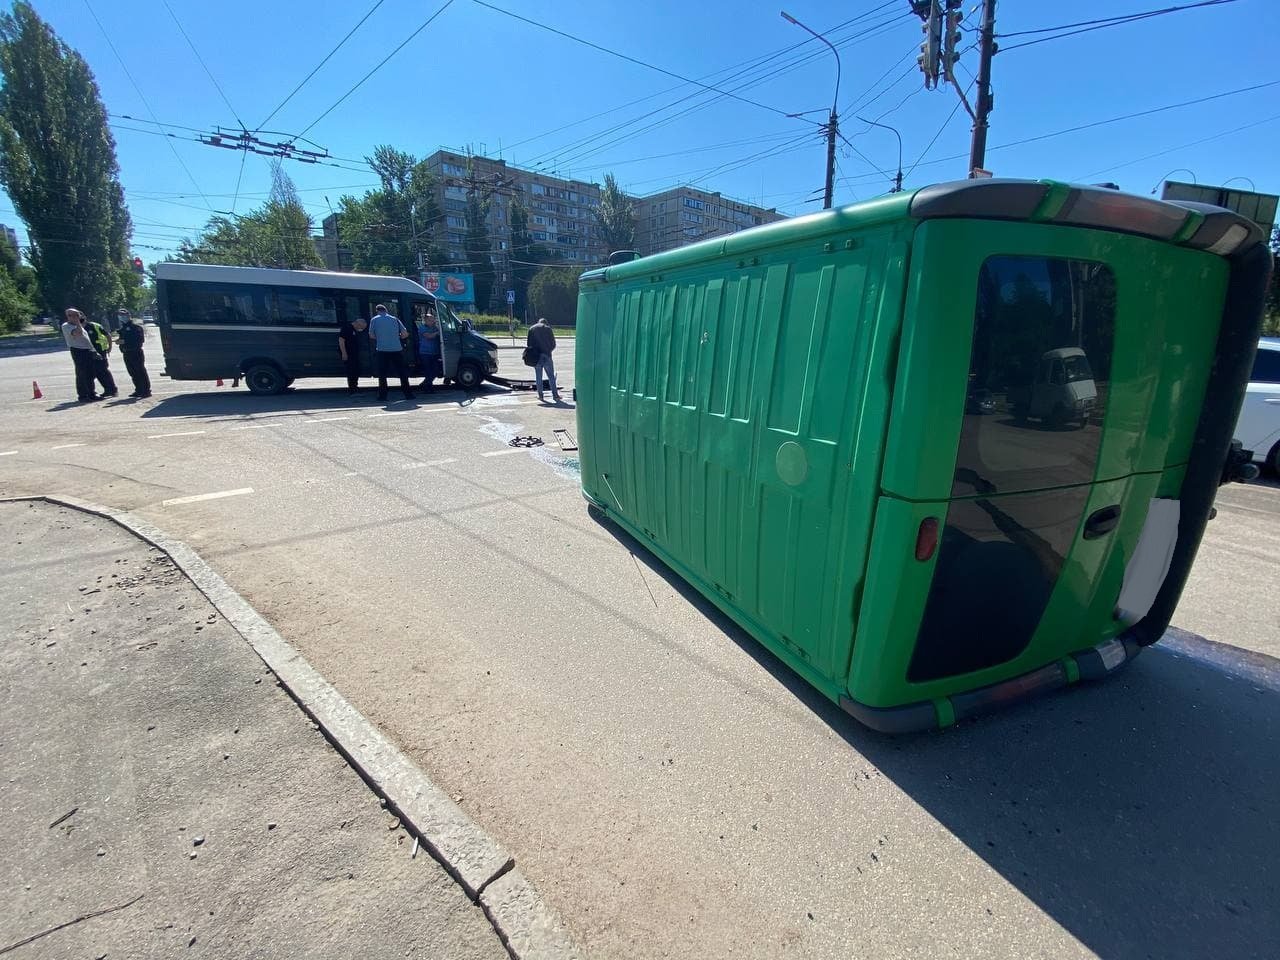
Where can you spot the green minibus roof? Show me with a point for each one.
(1196, 225)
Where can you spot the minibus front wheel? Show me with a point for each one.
(265, 379)
(469, 376)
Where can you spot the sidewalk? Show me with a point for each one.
(151, 760)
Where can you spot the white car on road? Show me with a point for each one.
(1258, 428)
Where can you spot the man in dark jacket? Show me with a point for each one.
(542, 340)
(130, 338)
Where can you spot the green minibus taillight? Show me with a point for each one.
(926, 538)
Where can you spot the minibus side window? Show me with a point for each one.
(297, 308)
(217, 303)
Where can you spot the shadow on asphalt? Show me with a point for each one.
(226, 401)
(1136, 812)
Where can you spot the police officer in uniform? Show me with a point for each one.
(101, 341)
(130, 337)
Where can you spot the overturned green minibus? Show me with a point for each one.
(938, 450)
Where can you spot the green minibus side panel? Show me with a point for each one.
(732, 417)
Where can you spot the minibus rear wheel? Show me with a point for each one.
(265, 379)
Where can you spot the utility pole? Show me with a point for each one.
(986, 49)
(832, 129)
(833, 125)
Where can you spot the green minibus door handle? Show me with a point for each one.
(1102, 522)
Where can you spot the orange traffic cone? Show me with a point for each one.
(35, 391)
(219, 381)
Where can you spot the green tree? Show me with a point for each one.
(17, 307)
(616, 217)
(58, 164)
(554, 294)
(277, 234)
(386, 228)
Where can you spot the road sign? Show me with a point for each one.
(511, 296)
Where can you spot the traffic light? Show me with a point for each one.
(137, 265)
(931, 47)
(951, 41)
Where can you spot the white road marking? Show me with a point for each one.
(8, 453)
(500, 453)
(185, 433)
(63, 446)
(207, 496)
(429, 463)
(393, 413)
(325, 419)
(256, 426)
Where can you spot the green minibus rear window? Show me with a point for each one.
(1041, 357)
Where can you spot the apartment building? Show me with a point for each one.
(562, 214)
(683, 215)
(561, 211)
(335, 254)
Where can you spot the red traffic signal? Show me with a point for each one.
(137, 265)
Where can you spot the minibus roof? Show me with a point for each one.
(216, 273)
(1198, 225)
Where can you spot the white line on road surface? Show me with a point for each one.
(429, 463)
(256, 426)
(325, 419)
(207, 496)
(64, 446)
(393, 413)
(8, 453)
(499, 453)
(185, 433)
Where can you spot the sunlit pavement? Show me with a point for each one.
(669, 787)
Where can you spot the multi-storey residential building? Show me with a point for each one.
(10, 234)
(683, 215)
(336, 255)
(562, 214)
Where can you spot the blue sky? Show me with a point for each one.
(476, 78)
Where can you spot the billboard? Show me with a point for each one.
(1258, 207)
(454, 287)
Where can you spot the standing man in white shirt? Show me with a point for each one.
(83, 354)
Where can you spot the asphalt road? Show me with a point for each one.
(668, 786)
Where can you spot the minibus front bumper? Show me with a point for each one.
(1091, 664)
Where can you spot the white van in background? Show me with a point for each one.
(1258, 428)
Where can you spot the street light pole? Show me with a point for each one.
(833, 127)
(897, 180)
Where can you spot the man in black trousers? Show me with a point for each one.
(131, 336)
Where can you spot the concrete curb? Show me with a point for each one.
(528, 928)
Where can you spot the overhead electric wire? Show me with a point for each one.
(145, 102)
(628, 58)
(945, 123)
(209, 73)
(1183, 146)
(1115, 23)
(445, 6)
(737, 66)
(316, 69)
(1121, 18)
(749, 81)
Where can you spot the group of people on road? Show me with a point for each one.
(387, 334)
(90, 343)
